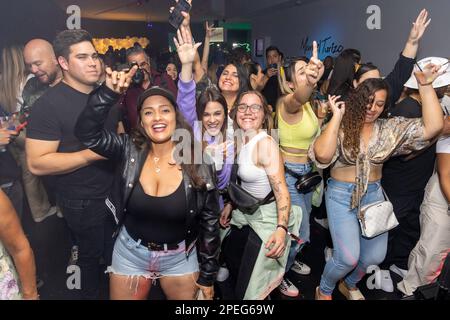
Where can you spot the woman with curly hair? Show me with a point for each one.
(356, 143)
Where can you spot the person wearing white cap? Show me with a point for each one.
(405, 178)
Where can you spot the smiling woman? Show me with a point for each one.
(170, 205)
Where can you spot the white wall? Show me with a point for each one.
(345, 22)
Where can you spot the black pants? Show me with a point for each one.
(240, 250)
(404, 237)
(93, 227)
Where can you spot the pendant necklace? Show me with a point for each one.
(157, 169)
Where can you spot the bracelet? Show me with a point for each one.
(282, 227)
(425, 84)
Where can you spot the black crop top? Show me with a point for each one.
(157, 219)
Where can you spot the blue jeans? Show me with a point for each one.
(352, 253)
(304, 202)
(131, 258)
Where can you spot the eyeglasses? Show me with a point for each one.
(242, 108)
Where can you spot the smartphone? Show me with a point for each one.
(273, 66)
(176, 18)
(319, 96)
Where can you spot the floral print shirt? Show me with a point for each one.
(9, 280)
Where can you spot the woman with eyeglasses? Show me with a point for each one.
(355, 144)
(168, 204)
(298, 125)
(258, 244)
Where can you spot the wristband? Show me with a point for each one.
(283, 227)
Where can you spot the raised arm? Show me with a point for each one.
(89, 128)
(405, 64)
(416, 33)
(313, 71)
(205, 58)
(12, 236)
(433, 119)
(326, 144)
(186, 95)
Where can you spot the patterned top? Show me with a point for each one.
(391, 137)
(9, 280)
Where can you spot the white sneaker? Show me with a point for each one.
(401, 272)
(386, 283)
(59, 213)
(322, 222)
(300, 268)
(328, 253)
(49, 213)
(73, 256)
(223, 274)
(288, 288)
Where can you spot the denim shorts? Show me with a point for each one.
(130, 258)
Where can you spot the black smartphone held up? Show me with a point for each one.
(176, 18)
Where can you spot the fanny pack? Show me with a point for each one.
(242, 199)
(305, 183)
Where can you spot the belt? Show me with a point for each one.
(150, 245)
(159, 247)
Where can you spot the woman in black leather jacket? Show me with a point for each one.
(165, 205)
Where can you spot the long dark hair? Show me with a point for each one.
(212, 95)
(364, 68)
(243, 78)
(142, 140)
(341, 81)
(355, 112)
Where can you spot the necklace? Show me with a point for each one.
(157, 168)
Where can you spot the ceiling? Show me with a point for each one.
(142, 10)
(157, 10)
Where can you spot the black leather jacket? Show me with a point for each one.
(202, 222)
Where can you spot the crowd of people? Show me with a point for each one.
(190, 172)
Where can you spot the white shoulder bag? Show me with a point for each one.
(376, 218)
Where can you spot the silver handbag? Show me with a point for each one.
(376, 218)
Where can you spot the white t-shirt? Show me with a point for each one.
(443, 145)
(445, 104)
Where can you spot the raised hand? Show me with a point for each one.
(209, 29)
(315, 69)
(337, 107)
(419, 26)
(429, 73)
(119, 81)
(185, 47)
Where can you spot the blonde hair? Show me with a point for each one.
(13, 75)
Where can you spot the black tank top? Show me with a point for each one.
(157, 219)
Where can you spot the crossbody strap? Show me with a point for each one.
(292, 173)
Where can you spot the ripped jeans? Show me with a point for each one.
(131, 258)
